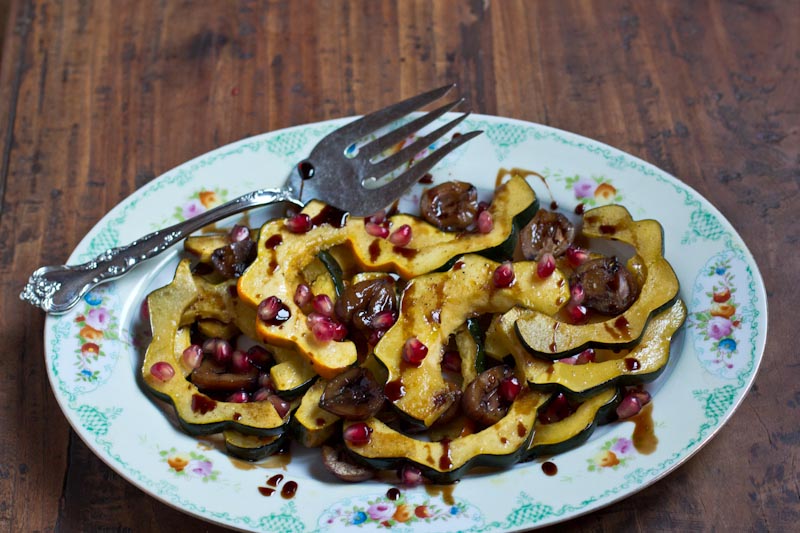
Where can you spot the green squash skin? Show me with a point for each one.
(655, 339)
(476, 360)
(251, 448)
(297, 392)
(334, 269)
(597, 416)
(599, 338)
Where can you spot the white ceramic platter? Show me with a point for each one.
(93, 353)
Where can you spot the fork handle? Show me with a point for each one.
(56, 289)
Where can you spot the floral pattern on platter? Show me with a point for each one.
(95, 325)
(408, 510)
(189, 464)
(718, 316)
(200, 202)
(593, 191)
(615, 453)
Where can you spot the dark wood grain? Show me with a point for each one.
(98, 97)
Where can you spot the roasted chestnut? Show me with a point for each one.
(608, 286)
(354, 394)
(451, 206)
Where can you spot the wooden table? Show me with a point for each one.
(97, 98)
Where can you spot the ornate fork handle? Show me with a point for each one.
(56, 289)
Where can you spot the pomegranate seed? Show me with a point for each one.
(222, 351)
(281, 406)
(376, 335)
(451, 361)
(510, 388)
(272, 310)
(414, 351)
(586, 356)
(546, 265)
(576, 294)
(300, 223)
(265, 381)
(339, 331)
(485, 222)
(162, 371)
(642, 395)
(383, 320)
(628, 407)
(357, 434)
(239, 233)
(238, 397)
(410, 476)
(313, 318)
(377, 230)
(259, 356)
(192, 356)
(209, 346)
(303, 295)
(401, 236)
(576, 256)
(482, 206)
(262, 394)
(504, 275)
(578, 314)
(378, 218)
(556, 410)
(240, 364)
(325, 329)
(323, 305)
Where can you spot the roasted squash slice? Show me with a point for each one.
(435, 305)
(574, 430)
(252, 447)
(643, 363)
(311, 424)
(499, 445)
(197, 413)
(430, 248)
(547, 337)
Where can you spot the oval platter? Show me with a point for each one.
(93, 353)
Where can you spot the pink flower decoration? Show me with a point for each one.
(192, 209)
(584, 188)
(719, 327)
(380, 511)
(200, 468)
(98, 318)
(622, 446)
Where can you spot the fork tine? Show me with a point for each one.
(411, 176)
(395, 136)
(383, 117)
(384, 166)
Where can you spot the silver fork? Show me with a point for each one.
(349, 182)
